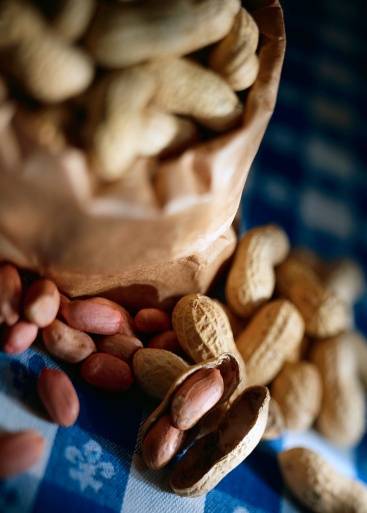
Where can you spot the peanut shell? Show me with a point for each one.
(297, 390)
(272, 334)
(317, 485)
(342, 414)
(203, 330)
(157, 369)
(122, 33)
(251, 279)
(187, 88)
(324, 313)
(235, 51)
(212, 457)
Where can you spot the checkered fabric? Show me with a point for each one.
(310, 178)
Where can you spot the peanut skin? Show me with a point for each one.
(19, 337)
(161, 443)
(166, 340)
(107, 372)
(95, 315)
(195, 397)
(58, 396)
(42, 303)
(19, 451)
(66, 343)
(120, 345)
(152, 320)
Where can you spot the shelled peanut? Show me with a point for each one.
(125, 66)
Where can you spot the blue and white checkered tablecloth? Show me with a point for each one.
(311, 178)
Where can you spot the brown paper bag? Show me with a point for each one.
(163, 230)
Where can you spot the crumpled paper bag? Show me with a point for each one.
(163, 230)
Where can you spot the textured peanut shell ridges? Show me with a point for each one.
(324, 313)
(203, 330)
(342, 414)
(298, 389)
(251, 280)
(317, 485)
(272, 334)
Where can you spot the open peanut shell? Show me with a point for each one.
(226, 363)
(212, 457)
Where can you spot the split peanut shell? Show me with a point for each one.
(212, 457)
(226, 363)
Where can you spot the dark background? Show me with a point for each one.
(310, 174)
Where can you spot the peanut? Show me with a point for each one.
(300, 352)
(41, 303)
(96, 315)
(58, 396)
(166, 340)
(237, 324)
(152, 320)
(19, 21)
(275, 425)
(195, 397)
(115, 127)
(245, 76)
(72, 18)
(309, 259)
(345, 279)
(272, 334)
(297, 389)
(120, 345)
(67, 344)
(203, 330)
(68, 69)
(236, 50)
(342, 413)
(251, 280)
(106, 372)
(317, 485)
(19, 451)
(185, 87)
(19, 337)
(325, 315)
(163, 132)
(10, 293)
(359, 346)
(122, 34)
(156, 370)
(161, 443)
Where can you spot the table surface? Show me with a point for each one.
(310, 177)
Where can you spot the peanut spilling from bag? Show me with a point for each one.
(213, 407)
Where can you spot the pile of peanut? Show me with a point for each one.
(281, 354)
(125, 80)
